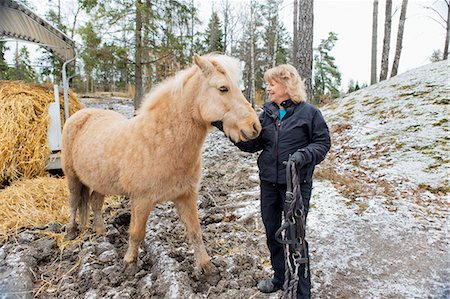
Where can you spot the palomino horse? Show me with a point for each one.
(155, 156)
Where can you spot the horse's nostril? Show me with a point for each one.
(255, 129)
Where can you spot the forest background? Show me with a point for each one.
(126, 44)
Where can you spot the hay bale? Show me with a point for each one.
(23, 132)
(38, 202)
(33, 202)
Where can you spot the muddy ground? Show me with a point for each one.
(375, 254)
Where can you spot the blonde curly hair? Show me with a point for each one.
(288, 76)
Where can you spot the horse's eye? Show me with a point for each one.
(223, 89)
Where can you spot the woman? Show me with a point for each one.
(290, 126)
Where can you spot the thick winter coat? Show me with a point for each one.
(302, 128)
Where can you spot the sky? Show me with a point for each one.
(352, 21)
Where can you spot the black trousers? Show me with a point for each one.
(273, 198)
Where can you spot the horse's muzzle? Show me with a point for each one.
(256, 129)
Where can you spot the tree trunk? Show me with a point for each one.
(295, 39)
(386, 41)
(138, 56)
(305, 43)
(252, 54)
(373, 68)
(447, 36)
(398, 48)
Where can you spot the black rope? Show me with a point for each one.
(292, 233)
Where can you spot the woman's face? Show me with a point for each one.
(277, 91)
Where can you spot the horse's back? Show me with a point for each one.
(84, 133)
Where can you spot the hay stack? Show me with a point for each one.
(33, 202)
(39, 201)
(23, 128)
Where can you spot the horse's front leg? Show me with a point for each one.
(186, 206)
(140, 210)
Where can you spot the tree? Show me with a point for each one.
(89, 52)
(386, 41)
(373, 68)
(275, 35)
(303, 42)
(445, 23)
(24, 70)
(249, 49)
(327, 78)
(139, 91)
(398, 48)
(447, 36)
(4, 68)
(214, 34)
(436, 56)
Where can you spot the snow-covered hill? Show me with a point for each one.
(396, 133)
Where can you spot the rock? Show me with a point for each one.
(104, 246)
(15, 276)
(91, 294)
(26, 237)
(108, 256)
(45, 248)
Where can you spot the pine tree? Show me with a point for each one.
(303, 41)
(327, 78)
(89, 53)
(4, 68)
(24, 70)
(214, 34)
(276, 38)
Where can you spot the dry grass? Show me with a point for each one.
(33, 202)
(36, 202)
(23, 131)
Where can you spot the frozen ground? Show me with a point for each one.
(377, 227)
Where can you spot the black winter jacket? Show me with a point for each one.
(302, 128)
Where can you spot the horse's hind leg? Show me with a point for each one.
(186, 206)
(75, 189)
(140, 209)
(97, 200)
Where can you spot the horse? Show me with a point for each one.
(155, 156)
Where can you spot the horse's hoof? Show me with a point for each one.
(130, 269)
(71, 234)
(100, 230)
(129, 258)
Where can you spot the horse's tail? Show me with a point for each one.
(83, 206)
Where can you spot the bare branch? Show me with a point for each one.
(438, 13)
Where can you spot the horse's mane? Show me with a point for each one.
(174, 85)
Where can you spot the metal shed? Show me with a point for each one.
(18, 22)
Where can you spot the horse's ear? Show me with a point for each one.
(203, 63)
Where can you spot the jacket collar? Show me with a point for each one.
(271, 108)
(286, 104)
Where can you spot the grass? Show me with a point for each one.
(440, 122)
(444, 188)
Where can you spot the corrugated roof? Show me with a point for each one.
(19, 22)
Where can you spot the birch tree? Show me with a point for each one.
(386, 41)
(398, 48)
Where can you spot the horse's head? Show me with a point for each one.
(220, 97)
